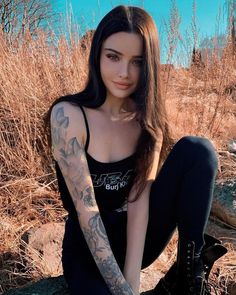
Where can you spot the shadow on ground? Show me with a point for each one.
(50, 286)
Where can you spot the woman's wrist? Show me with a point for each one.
(134, 284)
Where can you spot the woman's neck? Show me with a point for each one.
(115, 107)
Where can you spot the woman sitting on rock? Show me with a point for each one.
(124, 184)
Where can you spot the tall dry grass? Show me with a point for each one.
(201, 98)
(33, 73)
(201, 101)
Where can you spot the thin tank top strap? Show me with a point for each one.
(87, 129)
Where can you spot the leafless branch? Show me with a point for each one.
(17, 16)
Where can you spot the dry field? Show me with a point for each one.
(201, 101)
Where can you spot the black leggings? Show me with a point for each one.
(180, 197)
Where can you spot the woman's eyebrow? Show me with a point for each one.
(117, 52)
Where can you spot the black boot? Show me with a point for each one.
(191, 275)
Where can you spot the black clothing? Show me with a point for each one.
(111, 181)
(180, 197)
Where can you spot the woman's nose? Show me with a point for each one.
(124, 70)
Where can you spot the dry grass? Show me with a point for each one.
(201, 101)
(32, 75)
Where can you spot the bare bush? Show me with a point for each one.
(19, 16)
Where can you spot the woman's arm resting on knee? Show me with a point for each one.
(67, 136)
(136, 233)
(138, 213)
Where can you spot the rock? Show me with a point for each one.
(224, 202)
(50, 286)
(218, 230)
(232, 146)
(58, 286)
(42, 248)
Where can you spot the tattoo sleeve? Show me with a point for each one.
(71, 159)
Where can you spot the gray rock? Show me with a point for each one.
(42, 248)
(50, 286)
(232, 146)
(224, 202)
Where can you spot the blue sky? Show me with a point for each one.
(87, 13)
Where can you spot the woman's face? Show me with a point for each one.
(120, 63)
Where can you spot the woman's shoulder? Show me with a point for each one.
(69, 116)
(67, 108)
(69, 98)
(72, 102)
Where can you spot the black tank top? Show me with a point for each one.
(111, 181)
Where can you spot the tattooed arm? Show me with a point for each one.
(67, 125)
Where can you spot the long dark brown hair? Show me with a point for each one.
(147, 97)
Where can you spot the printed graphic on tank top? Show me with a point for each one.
(111, 181)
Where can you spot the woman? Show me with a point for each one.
(109, 143)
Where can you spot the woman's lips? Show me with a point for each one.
(122, 85)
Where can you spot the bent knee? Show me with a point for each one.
(200, 148)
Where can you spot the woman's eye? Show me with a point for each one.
(137, 62)
(112, 57)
